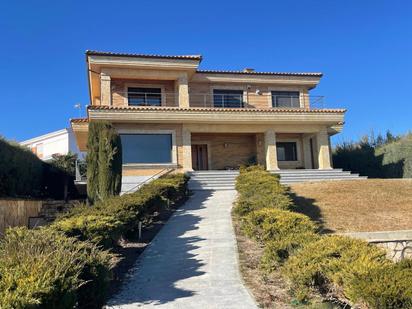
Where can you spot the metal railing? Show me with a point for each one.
(152, 177)
(81, 171)
(228, 100)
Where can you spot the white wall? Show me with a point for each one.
(58, 142)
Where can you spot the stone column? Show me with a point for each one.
(105, 89)
(187, 150)
(270, 150)
(322, 141)
(307, 156)
(183, 91)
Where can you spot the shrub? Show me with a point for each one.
(385, 287)
(43, 268)
(282, 232)
(104, 161)
(108, 220)
(331, 263)
(257, 189)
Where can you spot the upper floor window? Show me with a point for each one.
(138, 96)
(285, 99)
(286, 151)
(228, 98)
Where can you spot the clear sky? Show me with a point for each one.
(363, 47)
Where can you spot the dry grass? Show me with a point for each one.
(357, 205)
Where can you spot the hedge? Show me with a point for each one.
(344, 268)
(64, 265)
(23, 174)
(108, 220)
(257, 189)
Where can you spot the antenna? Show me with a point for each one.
(79, 107)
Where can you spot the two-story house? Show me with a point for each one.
(171, 114)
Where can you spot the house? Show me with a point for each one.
(57, 142)
(171, 114)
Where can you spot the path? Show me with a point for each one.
(192, 262)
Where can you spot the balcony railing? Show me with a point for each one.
(227, 100)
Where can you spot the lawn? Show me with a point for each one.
(357, 205)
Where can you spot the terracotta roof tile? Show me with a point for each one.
(316, 74)
(183, 57)
(79, 120)
(217, 110)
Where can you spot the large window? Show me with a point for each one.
(286, 151)
(138, 96)
(285, 99)
(228, 98)
(146, 148)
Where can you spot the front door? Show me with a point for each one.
(199, 157)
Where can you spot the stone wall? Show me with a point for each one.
(398, 244)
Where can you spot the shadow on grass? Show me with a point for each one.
(308, 207)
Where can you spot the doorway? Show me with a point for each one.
(199, 157)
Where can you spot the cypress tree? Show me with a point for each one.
(104, 161)
(110, 162)
(92, 161)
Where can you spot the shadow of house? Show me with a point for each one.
(172, 256)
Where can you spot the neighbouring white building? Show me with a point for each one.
(57, 142)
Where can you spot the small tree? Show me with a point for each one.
(104, 161)
(66, 164)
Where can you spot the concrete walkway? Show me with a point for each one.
(192, 262)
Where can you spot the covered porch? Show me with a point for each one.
(275, 149)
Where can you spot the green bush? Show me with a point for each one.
(45, 269)
(104, 161)
(331, 263)
(386, 287)
(22, 174)
(282, 232)
(258, 189)
(108, 220)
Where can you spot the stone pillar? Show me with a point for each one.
(322, 141)
(270, 150)
(105, 89)
(183, 91)
(187, 150)
(307, 156)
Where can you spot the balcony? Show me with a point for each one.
(226, 100)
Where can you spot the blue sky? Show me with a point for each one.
(364, 49)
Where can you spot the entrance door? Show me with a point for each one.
(199, 157)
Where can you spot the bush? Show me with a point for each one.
(282, 232)
(386, 287)
(104, 161)
(330, 264)
(44, 269)
(258, 189)
(108, 220)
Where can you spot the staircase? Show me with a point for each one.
(225, 180)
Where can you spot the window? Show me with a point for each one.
(286, 151)
(146, 148)
(138, 96)
(285, 99)
(228, 98)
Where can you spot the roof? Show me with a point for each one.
(181, 57)
(218, 110)
(79, 120)
(45, 136)
(315, 74)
